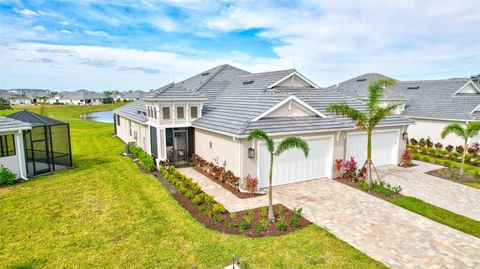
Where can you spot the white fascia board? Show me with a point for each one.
(475, 109)
(295, 73)
(466, 84)
(439, 119)
(286, 100)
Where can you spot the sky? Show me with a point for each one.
(144, 44)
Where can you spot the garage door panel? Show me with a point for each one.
(384, 147)
(292, 166)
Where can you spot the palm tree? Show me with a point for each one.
(368, 119)
(285, 144)
(470, 130)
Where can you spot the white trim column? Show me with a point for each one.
(20, 148)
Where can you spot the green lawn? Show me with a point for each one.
(438, 214)
(105, 213)
(473, 185)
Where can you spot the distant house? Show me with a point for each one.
(433, 104)
(14, 98)
(131, 95)
(79, 97)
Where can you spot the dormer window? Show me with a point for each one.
(193, 112)
(180, 112)
(166, 113)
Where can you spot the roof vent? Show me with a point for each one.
(361, 79)
(413, 87)
(248, 82)
(205, 74)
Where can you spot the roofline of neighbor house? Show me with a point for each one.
(439, 119)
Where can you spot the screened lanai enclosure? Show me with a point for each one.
(47, 144)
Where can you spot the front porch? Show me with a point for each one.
(180, 146)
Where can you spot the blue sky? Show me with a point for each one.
(66, 45)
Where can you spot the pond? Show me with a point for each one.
(101, 116)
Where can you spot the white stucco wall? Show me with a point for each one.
(12, 163)
(123, 132)
(16, 163)
(432, 129)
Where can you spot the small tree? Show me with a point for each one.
(469, 131)
(285, 144)
(367, 120)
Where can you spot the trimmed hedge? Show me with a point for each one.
(145, 159)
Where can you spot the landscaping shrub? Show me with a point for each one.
(459, 149)
(429, 143)
(145, 159)
(449, 148)
(7, 177)
(294, 219)
(407, 158)
(262, 225)
(218, 209)
(217, 172)
(350, 169)
(264, 211)
(251, 183)
(422, 142)
(338, 166)
(281, 224)
(413, 141)
(438, 146)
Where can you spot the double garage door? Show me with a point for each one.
(292, 166)
(384, 147)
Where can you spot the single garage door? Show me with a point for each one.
(384, 147)
(292, 166)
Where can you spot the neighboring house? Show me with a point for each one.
(12, 150)
(211, 114)
(29, 96)
(433, 104)
(79, 97)
(131, 96)
(14, 98)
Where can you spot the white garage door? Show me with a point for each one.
(384, 147)
(292, 166)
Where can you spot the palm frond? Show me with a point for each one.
(453, 128)
(472, 129)
(293, 142)
(380, 114)
(257, 133)
(343, 109)
(375, 91)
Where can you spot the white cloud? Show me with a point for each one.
(38, 28)
(64, 31)
(96, 33)
(27, 12)
(64, 23)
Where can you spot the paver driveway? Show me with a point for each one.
(455, 197)
(388, 233)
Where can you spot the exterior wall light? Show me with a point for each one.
(405, 136)
(251, 153)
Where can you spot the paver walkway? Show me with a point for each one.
(452, 196)
(390, 234)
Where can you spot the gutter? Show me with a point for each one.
(440, 119)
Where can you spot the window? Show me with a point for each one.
(193, 112)
(7, 145)
(180, 114)
(166, 113)
(130, 127)
(154, 112)
(118, 120)
(148, 111)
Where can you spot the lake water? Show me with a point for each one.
(102, 116)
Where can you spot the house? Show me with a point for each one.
(432, 104)
(14, 98)
(12, 151)
(79, 97)
(211, 114)
(131, 96)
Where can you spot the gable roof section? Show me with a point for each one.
(285, 101)
(293, 75)
(34, 119)
(464, 87)
(81, 94)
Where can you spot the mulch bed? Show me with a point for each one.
(376, 194)
(453, 174)
(228, 187)
(235, 219)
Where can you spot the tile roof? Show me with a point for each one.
(81, 95)
(8, 124)
(134, 94)
(136, 111)
(34, 119)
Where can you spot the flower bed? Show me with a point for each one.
(449, 152)
(453, 174)
(217, 174)
(213, 215)
(349, 175)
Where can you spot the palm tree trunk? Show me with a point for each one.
(369, 158)
(271, 216)
(463, 156)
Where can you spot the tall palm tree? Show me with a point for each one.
(368, 119)
(285, 144)
(469, 131)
